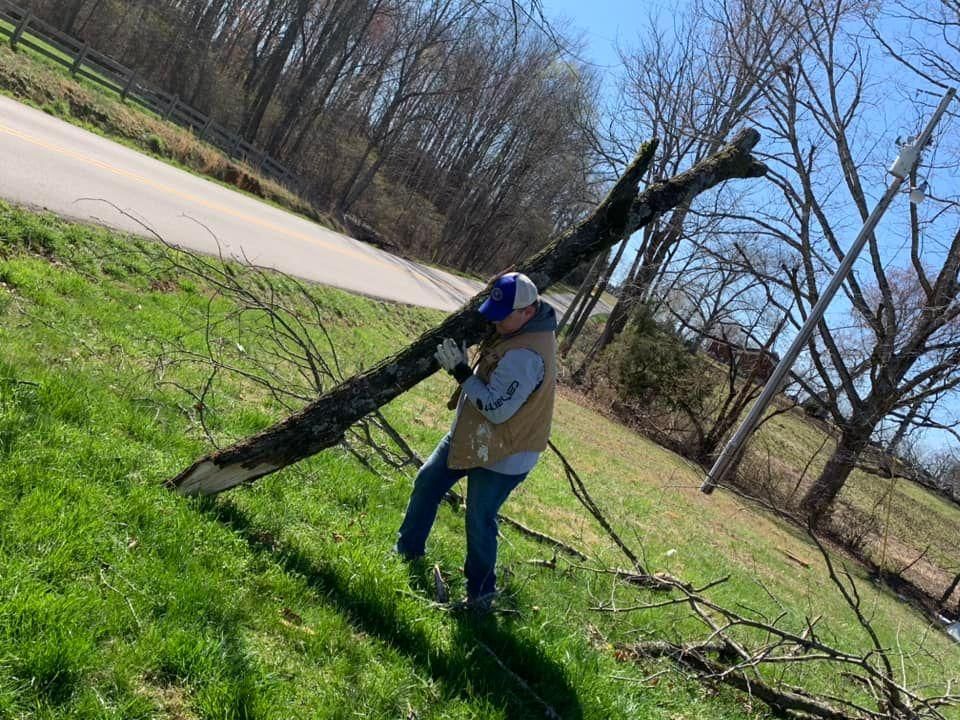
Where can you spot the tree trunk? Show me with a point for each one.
(579, 300)
(335, 33)
(651, 258)
(71, 16)
(79, 32)
(273, 72)
(360, 180)
(322, 423)
(618, 315)
(574, 333)
(633, 294)
(903, 428)
(835, 473)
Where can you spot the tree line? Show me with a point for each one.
(449, 126)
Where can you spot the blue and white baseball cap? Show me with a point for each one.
(510, 292)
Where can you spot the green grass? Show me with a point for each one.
(7, 29)
(59, 59)
(119, 599)
(606, 297)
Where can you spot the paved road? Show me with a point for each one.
(47, 163)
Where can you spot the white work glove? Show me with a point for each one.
(449, 355)
(453, 359)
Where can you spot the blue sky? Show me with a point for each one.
(602, 23)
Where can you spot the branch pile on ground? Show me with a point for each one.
(738, 646)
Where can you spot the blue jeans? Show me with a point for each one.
(486, 492)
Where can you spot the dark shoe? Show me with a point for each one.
(476, 606)
(405, 556)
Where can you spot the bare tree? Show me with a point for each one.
(416, 62)
(932, 47)
(705, 292)
(459, 112)
(692, 88)
(900, 344)
(269, 74)
(505, 145)
(695, 398)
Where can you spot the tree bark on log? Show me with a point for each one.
(322, 423)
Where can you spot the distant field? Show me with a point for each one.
(121, 600)
(910, 521)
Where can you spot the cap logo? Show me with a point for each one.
(496, 294)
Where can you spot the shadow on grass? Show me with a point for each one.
(467, 670)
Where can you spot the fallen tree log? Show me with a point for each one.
(322, 423)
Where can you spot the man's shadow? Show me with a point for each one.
(468, 669)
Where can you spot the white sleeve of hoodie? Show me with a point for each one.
(512, 381)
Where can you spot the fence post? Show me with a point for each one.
(171, 108)
(206, 127)
(80, 58)
(128, 85)
(18, 31)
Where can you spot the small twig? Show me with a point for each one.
(914, 561)
(133, 612)
(656, 581)
(581, 493)
(456, 500)
(791, 556)
(543, 538)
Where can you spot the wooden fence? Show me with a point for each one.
(85, 62)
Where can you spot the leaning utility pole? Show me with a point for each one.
(901, 169)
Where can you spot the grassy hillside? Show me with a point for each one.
(899, 528)
(891, 522)
(121, 600)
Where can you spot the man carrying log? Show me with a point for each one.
(322, 423)
(502, 424)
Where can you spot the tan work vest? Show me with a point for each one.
(476, 441)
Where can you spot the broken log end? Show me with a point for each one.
(756, 169)
(206, 477)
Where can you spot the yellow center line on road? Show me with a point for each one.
(252, 219)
